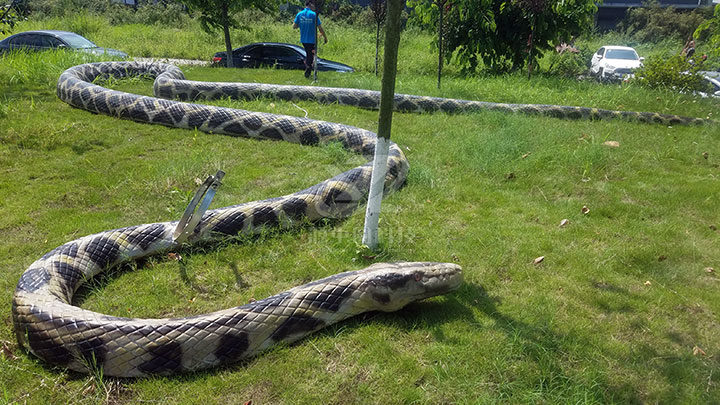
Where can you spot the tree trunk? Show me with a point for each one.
(226, 32)
(530, 53)
(387, 98)
(441, 6)
(377, 48)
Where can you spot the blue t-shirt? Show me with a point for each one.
(306, 21)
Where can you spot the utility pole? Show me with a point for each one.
(387, 97)
(317, 43)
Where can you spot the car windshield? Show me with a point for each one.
(627, 54)
(76, 41)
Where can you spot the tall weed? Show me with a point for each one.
(40, 68)
(86, 25)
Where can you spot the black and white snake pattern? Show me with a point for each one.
(51, 327)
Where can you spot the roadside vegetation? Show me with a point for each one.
(622, 308)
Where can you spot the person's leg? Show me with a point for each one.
(309, 53)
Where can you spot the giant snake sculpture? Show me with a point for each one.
(51, 327)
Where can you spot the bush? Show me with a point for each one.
(653, 23)
(169, 14)
(162, 12)
(711, 30)
(671, 72)
(569, 64)
(44, 9)
(341, 11)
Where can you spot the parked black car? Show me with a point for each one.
(44, 40)
(273, 54)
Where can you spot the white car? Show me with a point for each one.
(713, 79)
(615, 62)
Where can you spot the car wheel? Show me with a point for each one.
(601, 74)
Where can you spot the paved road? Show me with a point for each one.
(176, 62)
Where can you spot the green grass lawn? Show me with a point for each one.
(622, 309)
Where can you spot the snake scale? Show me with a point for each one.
(51, 327)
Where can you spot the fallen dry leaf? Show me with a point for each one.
(89, 390)
(662, 258)
(198, 181)
(538, 260)
(585, 210)
(713, 227)
(526, 155)
(697, 350)
(174, 256)
(648, 283)
(6, 352)
(709, 270)
(510, 176)
(612, 144)
(705, 155)
(564, 222)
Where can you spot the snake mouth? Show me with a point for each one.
(438, 279)
(391, 286)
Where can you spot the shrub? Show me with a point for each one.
(170, 14)
(671, 72)
(342, 11)
(653, 23)
(567, 63)
(43, 9)
(161, 12)
(711, 29)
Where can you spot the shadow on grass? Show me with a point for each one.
(561, 368)
(554, 354)
(548, 350)
(680, 376)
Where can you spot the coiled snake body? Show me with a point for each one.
(47, 323)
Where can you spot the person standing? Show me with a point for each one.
(689, 49)
(306, 20)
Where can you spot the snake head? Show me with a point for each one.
(392, 286)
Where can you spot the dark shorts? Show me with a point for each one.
(309, 48)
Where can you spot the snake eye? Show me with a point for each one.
(418, 276)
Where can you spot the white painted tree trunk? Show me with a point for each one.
(387, 97)
(377, 183)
